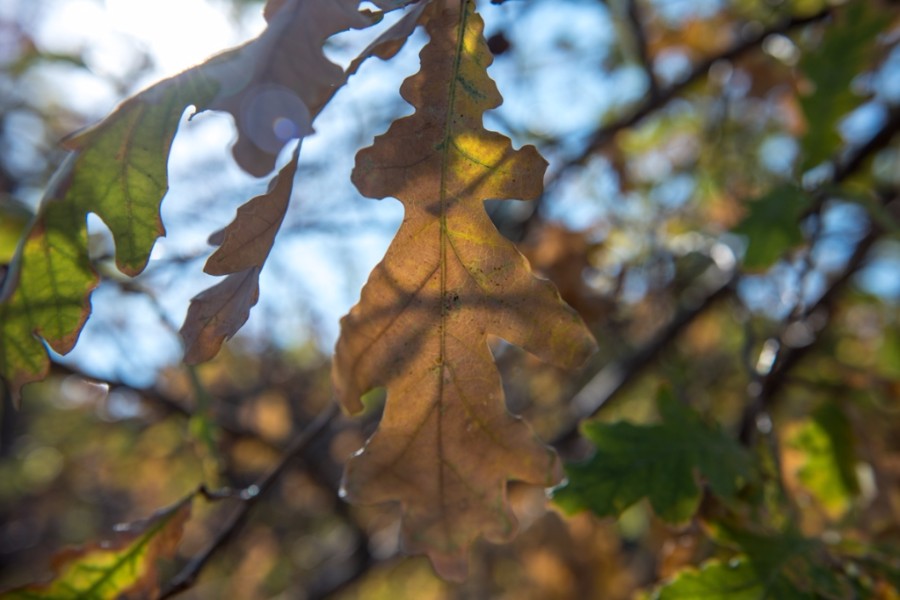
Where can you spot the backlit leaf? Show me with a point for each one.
(125, 568)
(117, 171)
(661, 462)
(217, 313)
(13, 220)
(390, 41)
(446, 445)
(275, 84)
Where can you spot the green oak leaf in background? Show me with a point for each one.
(772, 226)
(659, 461)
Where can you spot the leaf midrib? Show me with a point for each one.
(445, 154)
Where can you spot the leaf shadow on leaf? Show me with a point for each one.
(446, 444)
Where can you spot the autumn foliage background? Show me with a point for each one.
(720, 209)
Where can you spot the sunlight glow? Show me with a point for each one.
(177, 33)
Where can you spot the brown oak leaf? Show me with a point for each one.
(446, 445)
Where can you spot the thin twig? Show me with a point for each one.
(614, 376)
(652, 103)
(163, 401)
(633, 14)
(765, 387)
(249, 497)
(856, 157)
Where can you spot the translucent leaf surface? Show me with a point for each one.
(276, 83)
(661, 462)
(117, 171)
(446, 445)
(217, 313)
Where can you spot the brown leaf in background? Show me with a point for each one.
(218, 312)
(564, 257)
(446, 445)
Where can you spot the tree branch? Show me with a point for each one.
(653, 103)
(633, 14)
(249, 497)
(613, 377)
(164, 401)
(764, 388)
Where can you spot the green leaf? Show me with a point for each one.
(782, 566)
(118, 171)
(120, 165)
(772, 226)
(54, 278)
(829, 467)
(717, 580)
(847, 46)
(791, 565)
(125, 568)
(660, 462)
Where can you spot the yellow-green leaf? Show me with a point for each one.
(828, 468)
(118, 171)
(446, 445)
